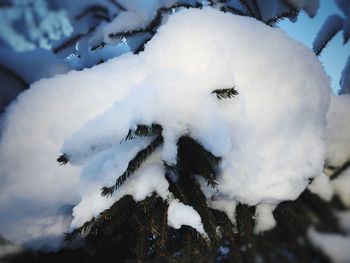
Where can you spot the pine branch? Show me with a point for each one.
(257, 8)
(186, 189)
(213, 2)
(133, 165)
(118, 5)
(5, 4)
(144, 131)
(63, 159)
(232, 10)
(80, 232)
(68, 43)
(212, 182)
(14, 75)
(290, 6)
(340, 170)
(118, 212)
(293, 10)
(98, 46)
(151, 28)
(248, 7)
(93, 9)
(127, 34)
(156, 21)
(72, 41)
(195, 159)
(274, 20)
(148, 204)
(329, 29)
(102, 17)
(225, 93)
(141, 47)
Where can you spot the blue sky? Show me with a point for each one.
(305, 29)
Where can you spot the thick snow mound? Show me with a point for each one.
(270, 137)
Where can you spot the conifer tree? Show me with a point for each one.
(131, 231)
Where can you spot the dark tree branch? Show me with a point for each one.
(133, 166)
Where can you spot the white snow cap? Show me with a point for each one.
(226, 206)
(271, 134)
(270, 137)
(180, 214)
(264, 219)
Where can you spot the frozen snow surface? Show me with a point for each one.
(270, 137)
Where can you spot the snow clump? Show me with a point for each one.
(270, 137)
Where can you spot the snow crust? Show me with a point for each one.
(180, 214)
(270, 137)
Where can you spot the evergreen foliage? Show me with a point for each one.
(133, 165)
(100, 13)
(225, 93)
(132, 231)
(138, 231)
(63, 159)
(339, 171)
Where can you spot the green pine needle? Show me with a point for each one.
(133, 165)
(80, 232)
(63, 159)
(144, 131)
(225, 93)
